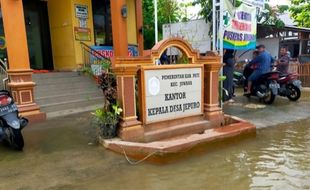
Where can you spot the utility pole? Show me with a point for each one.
(156, 21)
(218, 31)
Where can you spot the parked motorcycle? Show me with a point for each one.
(265, 88)
(290, 86)
(238, 79)
(11, 124)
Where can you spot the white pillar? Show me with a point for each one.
(214, 19)
(156, 21)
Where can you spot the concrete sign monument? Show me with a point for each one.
(176, 107)
(172, 99)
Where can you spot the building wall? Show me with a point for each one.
(196, 32)
(75, 21)
(131, 22)
(67, 51)
(272, 46)
(60, 19)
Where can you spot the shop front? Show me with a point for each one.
(54, 32)
(47, 35)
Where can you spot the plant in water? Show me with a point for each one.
(107, 118)
(107, 121)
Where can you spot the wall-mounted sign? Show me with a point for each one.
(108, 52)
(82, 34)
(83, 23)
(172, 93)
(81, 11)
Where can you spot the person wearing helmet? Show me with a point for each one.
(263, 64)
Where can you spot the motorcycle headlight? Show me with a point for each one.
(15, 124)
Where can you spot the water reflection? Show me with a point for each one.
(278, 158)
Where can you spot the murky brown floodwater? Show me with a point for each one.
(59, 157)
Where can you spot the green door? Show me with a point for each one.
(38, 35)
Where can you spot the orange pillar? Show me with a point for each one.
(119, 28)
(212, 110)
(20, 74)
(130, 127)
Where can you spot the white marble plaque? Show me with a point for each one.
(172, 93)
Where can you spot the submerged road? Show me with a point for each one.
(282, 111)
(58, 155)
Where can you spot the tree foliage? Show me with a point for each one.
(300, 11)
(168, 12)
(269, 16)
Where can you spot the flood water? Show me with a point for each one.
(57, 156)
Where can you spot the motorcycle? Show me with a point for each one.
(265, 88)
(290, 86)
(238, 79)
(11, 124)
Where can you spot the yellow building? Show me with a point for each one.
(47, 35)
(56, 28)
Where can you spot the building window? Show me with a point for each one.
(102, 22)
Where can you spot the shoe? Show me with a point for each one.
(231, 101)
(247, 94)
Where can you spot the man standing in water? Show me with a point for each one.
(228, 71)
(283, 61)
(263, 61)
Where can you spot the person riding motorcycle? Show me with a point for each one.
(263, 64)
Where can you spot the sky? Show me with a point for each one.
(273, 2)
(279, 2)
(193, 11)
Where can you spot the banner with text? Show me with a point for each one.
(240, 25)
(108, 52)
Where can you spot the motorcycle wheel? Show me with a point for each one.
(16, 139)
(270, 98)
(295, 93)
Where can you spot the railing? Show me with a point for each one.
(92, 59)
(303, 71)
(4, 74)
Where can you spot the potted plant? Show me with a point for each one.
(106, 119)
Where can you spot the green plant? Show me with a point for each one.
(107, 118)
(183, 60)
(169, 11)
(107, 83)
(107, 121)
(86, 70)
(103, 64)
(300, 12)
(102, 116)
